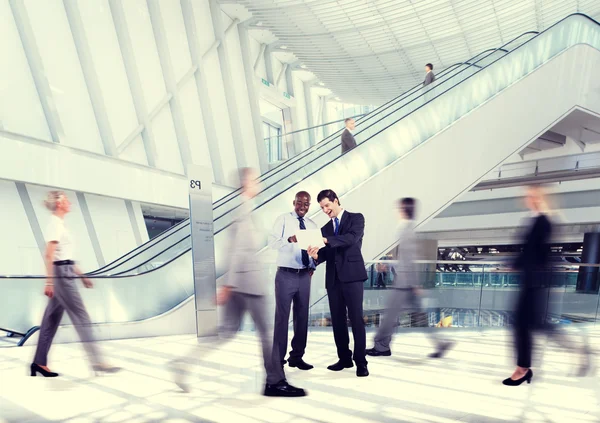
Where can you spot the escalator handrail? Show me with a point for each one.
(95, 276)
(174, 229)
(142, 248)
(363, 119)
(186, 222)
(414, 99)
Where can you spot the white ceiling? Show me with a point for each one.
(368, 51)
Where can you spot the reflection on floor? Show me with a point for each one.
(407, 387)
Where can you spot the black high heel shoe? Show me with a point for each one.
(37, 369)
(510, 382)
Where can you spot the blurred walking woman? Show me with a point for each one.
(60, 288)
(532, 262)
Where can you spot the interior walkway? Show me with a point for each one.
(407, 387)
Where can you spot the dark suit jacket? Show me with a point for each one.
(342, 255)
(533, 259)
(348, 141)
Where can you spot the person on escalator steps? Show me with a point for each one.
(244, 291)
(348, 141)
(405, 292)
(62, 272)
(428, 83)
(292, 281)
(429, 75)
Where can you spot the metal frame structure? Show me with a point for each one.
(367, 51)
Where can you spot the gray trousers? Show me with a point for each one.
(235, 310)
(291, 289)
(399, 301)
(66, 298)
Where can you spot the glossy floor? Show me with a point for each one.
(406, 387)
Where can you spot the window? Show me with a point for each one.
(272, 136)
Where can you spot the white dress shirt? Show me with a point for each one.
(290, 254)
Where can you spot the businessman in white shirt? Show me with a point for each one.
(292, 282)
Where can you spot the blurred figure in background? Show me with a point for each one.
(405, 291)
(245, 290)
(383, 275)
(62, 272)
(531, 310)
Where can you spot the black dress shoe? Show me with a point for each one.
(373, 352)
(511, 382)
(362, 370)
(300, 364)
(442, 350)
(341, 365)
(283, 389)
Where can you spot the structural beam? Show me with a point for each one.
(202, 88)
(253, 97)
(36, 67)
(269, 64)
(289, 75)
(259, 57)
(281, 73)
(135, 84)
(84, 53)
(230, 94)
(154, 9)
(309, 110)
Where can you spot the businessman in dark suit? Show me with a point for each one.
(348, 141)
(345, 275)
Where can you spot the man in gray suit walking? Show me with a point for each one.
(292, 281)
(348, 141)
(245, 290)
(403, 297)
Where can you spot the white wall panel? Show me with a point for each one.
(167, 148)
(19, 250)
(216, 92)
(83, 250)
(112, 224)
(139, 28)
(242, 101)
(174, 26)
(194, 123)
(20, 108)
(135, 152)
(63, 70)
(108, 63)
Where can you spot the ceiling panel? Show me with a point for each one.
(367, 50)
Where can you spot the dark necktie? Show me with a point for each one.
(305, 259)
(336, 230)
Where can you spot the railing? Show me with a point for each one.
(483, 296)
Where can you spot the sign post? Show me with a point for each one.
(203, 249)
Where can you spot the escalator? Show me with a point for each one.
(431, 144)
